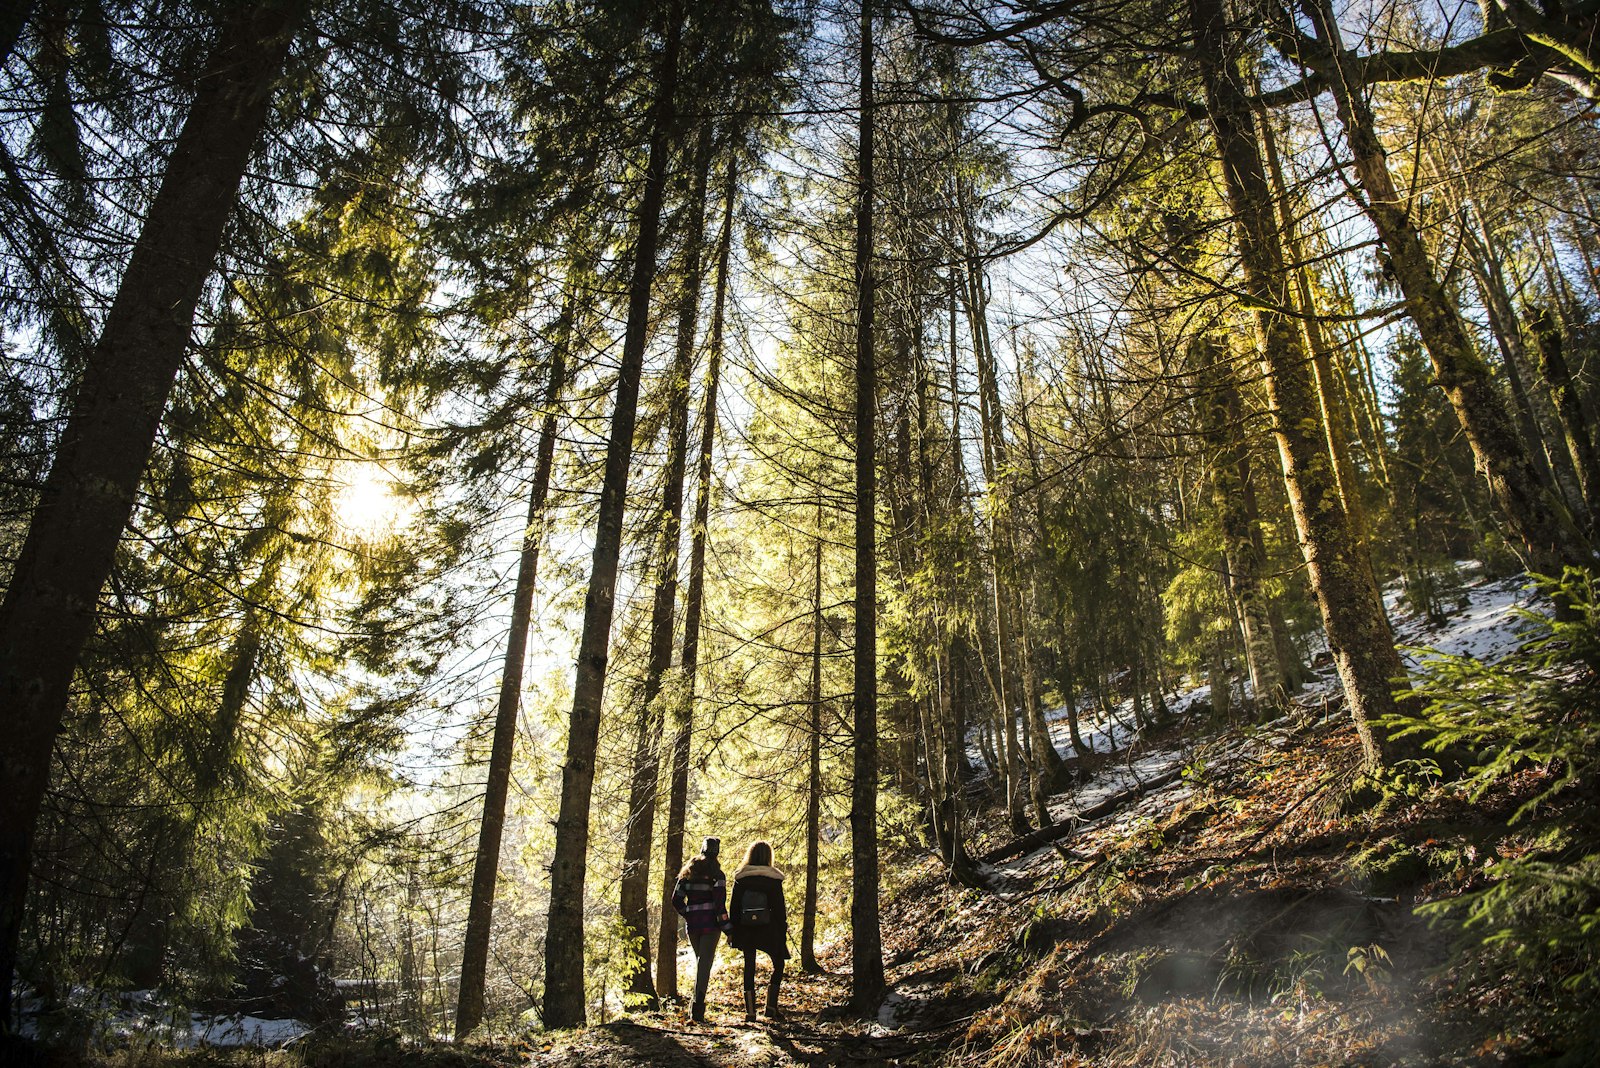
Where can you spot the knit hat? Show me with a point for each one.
(710, 847)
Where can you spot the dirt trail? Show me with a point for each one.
(812, 1031)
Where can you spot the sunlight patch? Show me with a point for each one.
(364, 501)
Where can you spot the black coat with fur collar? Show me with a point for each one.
(771, 937)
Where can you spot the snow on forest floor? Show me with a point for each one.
(1487, 623)
(1487, 626)
(141, 1018)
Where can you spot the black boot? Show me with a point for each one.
(697, 1012)
(750, 1004)
(773, 1012)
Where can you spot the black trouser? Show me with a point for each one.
(750, 972)
(705, 952)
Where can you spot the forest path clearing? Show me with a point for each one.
(808, 1034)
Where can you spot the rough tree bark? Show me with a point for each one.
(1228, 459)
(1358, 631)
(642, 793)
(1548, 535)
(1334, 412)
(1489, 276)
(694, 598)
(1569, 410)
(1045, 765)
(866, 941)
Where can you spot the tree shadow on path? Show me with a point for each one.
(624, 1044)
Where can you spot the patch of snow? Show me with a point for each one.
(112, 1021)
(1487, 628)
(236, 1031)
(1488, 625)
(1120, 777)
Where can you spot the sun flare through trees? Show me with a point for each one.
(998, 463)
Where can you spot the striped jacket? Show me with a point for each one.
(701, 898)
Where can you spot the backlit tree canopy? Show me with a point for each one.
(457, 455)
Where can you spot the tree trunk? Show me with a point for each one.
(1217, 679)
(694, 599)
(1069, 694)
(1547, 533)
(643, 792)
(1001, 538)
(1221, 418)
(1569, 410)
(564, 999)
(1041, 750)
(1370, 424)
(1004, 755)
(1005, 682)
(986, 741)
(1334, 413)
(1358, 631)
(1052, 766)
(1507, 330)
(945, 734)
(808, 918)
(866, 950)
(930, 788)
(954, 740)
(49, 608)
(486, 865)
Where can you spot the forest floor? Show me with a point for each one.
(1236, 915)
(1236, 912)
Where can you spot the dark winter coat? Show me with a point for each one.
(750, 884)
(701, 897)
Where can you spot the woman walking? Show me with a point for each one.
(701, 897)
(760, 923)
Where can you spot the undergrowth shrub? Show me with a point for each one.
(1538, 910)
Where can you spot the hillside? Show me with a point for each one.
(1232, 916)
